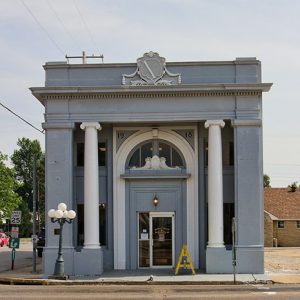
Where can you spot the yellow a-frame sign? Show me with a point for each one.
(184, 260)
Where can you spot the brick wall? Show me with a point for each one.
(289, 236)
(268, 230)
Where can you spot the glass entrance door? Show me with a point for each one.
(156, 240)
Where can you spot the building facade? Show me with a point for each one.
(153, 155)
(282, 217)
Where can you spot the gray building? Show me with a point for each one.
(153, 155)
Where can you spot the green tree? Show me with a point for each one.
(293, 186)
(9, 199)
(22, 160)
(267, 181)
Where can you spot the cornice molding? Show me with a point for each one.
(211, 90)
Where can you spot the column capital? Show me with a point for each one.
(85, 125)
(220, 123)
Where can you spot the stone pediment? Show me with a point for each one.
(151, 70)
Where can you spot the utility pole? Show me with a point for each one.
(34, 237)
(84, 57)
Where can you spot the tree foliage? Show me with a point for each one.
(293, 186)
(22, 160)
(9, 199)
(267, 181)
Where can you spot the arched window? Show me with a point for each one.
(160, 148)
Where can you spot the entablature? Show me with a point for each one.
(216, 90)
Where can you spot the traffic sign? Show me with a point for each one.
(14, 232)
(16, 217)
(14, 243)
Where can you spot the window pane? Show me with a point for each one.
(102, 220)
(102, 154)
(228, 213)
(80, 154)
(280, 224)
(176, 159)
(146, 151)
(102, 224)
(144, 250)
(164, 150)
(80, 224)
(206, 153)
(298, 224)
(162, 241)
(135, 159)
(231, 154)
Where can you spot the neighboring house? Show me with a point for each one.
(153, 155)
(282, 217)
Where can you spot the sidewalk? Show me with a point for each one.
(25, 276)
(22, 274)
(139, 277)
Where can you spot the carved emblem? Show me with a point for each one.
(151, 70)
(151, 67)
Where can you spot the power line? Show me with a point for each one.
(85, 25)
(43, 28)
(63, 25)
(21, 118)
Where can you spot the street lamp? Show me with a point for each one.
(60, 216)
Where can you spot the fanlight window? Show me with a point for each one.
(155, 147)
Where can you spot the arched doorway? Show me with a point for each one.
(135, 188)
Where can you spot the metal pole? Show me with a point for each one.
(233, 229)
(59, 264)
(34, 217)
(13, 257)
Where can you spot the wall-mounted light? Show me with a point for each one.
(155, 201)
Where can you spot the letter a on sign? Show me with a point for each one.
(184, 260)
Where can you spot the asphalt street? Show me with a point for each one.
(23, 257)
(149, 292)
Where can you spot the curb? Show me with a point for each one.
(26, 281)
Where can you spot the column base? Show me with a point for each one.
(92, 246)
(218, 260)
(88, 262)
(215, 245)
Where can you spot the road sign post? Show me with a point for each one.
(14, 232)
(14, 243)
(16, 217)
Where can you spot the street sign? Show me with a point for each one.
(14, 243)
(16, 217)
(14, 232)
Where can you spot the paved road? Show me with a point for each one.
(23, 257)
(149, 292)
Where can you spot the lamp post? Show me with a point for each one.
(60, 216)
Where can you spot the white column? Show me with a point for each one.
(215, 184)
(91, 185)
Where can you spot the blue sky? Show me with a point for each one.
(180, 31)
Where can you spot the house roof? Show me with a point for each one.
(282, 203)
